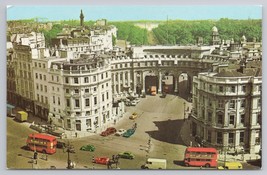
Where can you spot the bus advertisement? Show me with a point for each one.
(199, 156)
(42, 143)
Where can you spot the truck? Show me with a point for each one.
(153, 163)
(153, 90)
(21, 116)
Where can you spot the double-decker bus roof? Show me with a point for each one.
(42, 136)
(200, 149)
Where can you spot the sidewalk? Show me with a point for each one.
(189, 140)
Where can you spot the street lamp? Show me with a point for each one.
(184, 110)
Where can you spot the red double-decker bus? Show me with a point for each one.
(42, 143)
(198, 156)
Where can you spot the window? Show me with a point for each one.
(76, 81)
(232, 88)
(58, 101)
(40, 65)
(232, 104)
(87, 113)
(96, 111)
(220, 119)
(95, 100)
(41, 87)
(87, 102)
(68, 102)
(242, 119)
(107, 95)
(35, 64)
(42, 99)
(44, 66)
(220, 88)
(106, 75)
(67, 91)
(37, 86)
(102, 86)
(219, 137)
(103, 97)
(44, 77)
(259, 103)
(94, 89)
(54, 99)
(106, 84)
(102, 76)
(231, 138)
(209, 116)
(57, 79)
(68, 123)
(76, 91)
(241, 137)
(244, 88)
(209, 136)
(38, 97)
(258, 118)
(220, 103)
(232, 120)
(86, 90)
(66, 79)
(77, 103)
(94, 78)
(88, 122)
(46, 100)
(36, 75)
(243, 103)
(210, 87)
(52, 78)
(86, 80)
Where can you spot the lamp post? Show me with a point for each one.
(184, 110)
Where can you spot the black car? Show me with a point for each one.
(61, 144)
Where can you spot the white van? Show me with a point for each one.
(152, 163)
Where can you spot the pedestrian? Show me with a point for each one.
(76, 134)
(35, 156)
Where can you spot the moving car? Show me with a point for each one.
(108, 131)
(120, 132)
(101, 160)
(126, 155)
(128, 133)
(133, 116)
(90, 148)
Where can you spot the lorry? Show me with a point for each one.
(153, 163)
(21, 116)
(153, 90)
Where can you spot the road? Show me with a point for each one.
(158, 118)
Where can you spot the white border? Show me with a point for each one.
(4, 3)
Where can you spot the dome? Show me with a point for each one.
(214, 29)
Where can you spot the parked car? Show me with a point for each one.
(128, 133)
(133, 103)
(133, 116)
(108, 131)
(137, 100)
(163, 95)
(126, 155)
(120, 132)
(90, 148)
(101, 160)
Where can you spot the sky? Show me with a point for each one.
(122, 13)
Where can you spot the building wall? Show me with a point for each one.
(227, 106)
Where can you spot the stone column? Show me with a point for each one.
(119, 83)
(175, 83)
(160, 83)
(144, 82)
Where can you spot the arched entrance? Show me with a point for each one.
(168, 82)
(151, 80)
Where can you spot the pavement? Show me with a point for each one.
(189, 140)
